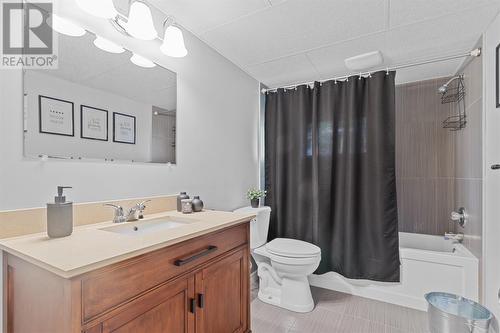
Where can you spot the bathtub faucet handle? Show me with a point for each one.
(460, 216)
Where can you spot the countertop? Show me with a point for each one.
(90, 247)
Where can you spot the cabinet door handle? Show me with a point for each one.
(192, 305)
(201, 300)
(183, 261)
(495, 167)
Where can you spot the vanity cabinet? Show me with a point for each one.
(199, 285)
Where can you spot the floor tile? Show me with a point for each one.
(338, 312)
(330, 300)
(317, 321)
(350, 324)
(268, 318)
(367, 309)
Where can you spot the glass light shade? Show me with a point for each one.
(99, 8)
(141, 61)
(66, 27)
(173, 43)
(140, 22)
(107, 45)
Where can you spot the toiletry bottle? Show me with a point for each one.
(180, 197)
(197, 204)
(60, 215)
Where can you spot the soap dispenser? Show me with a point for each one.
(60, 215)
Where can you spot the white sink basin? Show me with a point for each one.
(140, 228)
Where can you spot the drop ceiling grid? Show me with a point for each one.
(279, 41)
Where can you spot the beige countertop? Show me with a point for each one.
(90, 247)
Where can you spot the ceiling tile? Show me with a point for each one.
(329, 61)
(404, 12)
(296, 26)
(439, 37)
(202, 15)
(284, 71)
(426, 72)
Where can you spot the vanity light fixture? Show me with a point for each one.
(100, 8)
(140, 22)
(141, 61)
(173, 41)
(107, 45)
(66, 27)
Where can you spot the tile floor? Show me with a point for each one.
(337, 312)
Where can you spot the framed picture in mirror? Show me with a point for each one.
(123, 128)
(93, 123)
(56, 116)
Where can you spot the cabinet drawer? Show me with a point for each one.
(111, 286)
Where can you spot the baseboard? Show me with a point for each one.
(376, 292)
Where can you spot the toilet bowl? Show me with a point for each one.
(283, 265)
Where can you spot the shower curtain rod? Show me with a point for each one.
(474, 53)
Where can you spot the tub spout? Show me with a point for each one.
(456, 238)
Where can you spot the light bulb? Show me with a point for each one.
(107, 45)
(173, 43)
(141, 61)
(140, 22)
(66, 27)
(99, 8)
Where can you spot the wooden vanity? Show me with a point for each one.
(197, 285)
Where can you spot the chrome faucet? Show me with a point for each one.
(455, 238)
(133, 214)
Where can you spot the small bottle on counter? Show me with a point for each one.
(187, 206)
(181, 197)
(197, 204)
(60, 215)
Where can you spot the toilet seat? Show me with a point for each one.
(292, 248)
(290, 252)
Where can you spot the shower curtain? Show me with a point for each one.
(330, 173)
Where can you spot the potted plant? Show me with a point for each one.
(254, 195)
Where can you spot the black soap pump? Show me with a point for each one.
(60, 215)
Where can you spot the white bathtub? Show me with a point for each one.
(428, 263)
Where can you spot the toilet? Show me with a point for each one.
(283, 265)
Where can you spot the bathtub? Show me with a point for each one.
(428, 263)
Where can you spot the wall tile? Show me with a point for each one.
(425, 158)
(469, 195)
(468, 157)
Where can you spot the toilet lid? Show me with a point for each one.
(292, 248)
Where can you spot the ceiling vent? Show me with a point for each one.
(364, 61)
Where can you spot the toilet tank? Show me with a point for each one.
(259, 226)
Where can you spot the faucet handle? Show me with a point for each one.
(119, 215)
(460, 216)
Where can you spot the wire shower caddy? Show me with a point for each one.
(455, 94)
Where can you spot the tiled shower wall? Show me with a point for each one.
(438, 170)
(468, 158)
(425, 159)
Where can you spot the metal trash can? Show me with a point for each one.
(449, 313)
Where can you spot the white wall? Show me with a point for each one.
(37, 143)
(217, 122)
(491, 184)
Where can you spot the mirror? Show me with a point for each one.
(100, 105)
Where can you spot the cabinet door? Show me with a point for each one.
(165, 309)
(222, 294)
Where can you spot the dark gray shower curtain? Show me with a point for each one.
(330, 173)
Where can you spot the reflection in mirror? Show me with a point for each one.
(100, 105)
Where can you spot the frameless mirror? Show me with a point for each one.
(100, 105)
